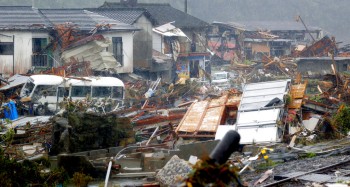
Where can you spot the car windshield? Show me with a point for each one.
(29, 88)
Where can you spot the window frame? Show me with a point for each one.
(117, 48)
(8, 51)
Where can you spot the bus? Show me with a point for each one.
(45, 92)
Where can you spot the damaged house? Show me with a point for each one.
(254, 40)
(45, 38)
(187, 53)
(319, 66)
(21, 38)
(142, 39)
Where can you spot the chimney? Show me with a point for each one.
(129, 3)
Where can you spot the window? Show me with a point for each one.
(118, 49)
(6, 48)
(101, 91)
(28, 88)
(80, 91)
(39, 57)
(45, 90)
(117, 92)
(63, 92)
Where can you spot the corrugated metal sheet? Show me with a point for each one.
(255, 122)
(14, 81)
(93, 52)
(258, 134)
(259, 117)
(257, 95)
(222, 130)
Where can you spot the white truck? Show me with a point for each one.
(221, 80)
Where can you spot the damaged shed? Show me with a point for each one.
(261, 110)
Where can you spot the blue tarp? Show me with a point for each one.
(11, 112)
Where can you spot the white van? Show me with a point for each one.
(46, 91)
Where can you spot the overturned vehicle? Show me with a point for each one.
(41, 94)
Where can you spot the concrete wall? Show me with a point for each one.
(128, 55)
(143, 43)
(314, 67)
(22, 52)
(199, 149)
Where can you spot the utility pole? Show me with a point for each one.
(307, 30)
(13, 55)
(186, 6)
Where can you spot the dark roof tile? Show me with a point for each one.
(20, 17)
(164, 13)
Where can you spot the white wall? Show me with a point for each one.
(127, 38)
(22, 54)
(157, 42)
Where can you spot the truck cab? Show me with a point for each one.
(221, 80)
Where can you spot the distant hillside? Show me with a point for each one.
(331, 15)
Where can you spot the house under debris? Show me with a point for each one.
(319, 66)
(232, 41)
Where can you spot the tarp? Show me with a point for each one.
(10, 111)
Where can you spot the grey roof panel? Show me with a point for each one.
(20, 17)
(164, 13)
(125, 15)
(85, 20)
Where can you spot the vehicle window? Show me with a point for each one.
(101, 91)
(117, 92)
(80, 91)
(63, 92)
(29, 88)
(45, 90)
